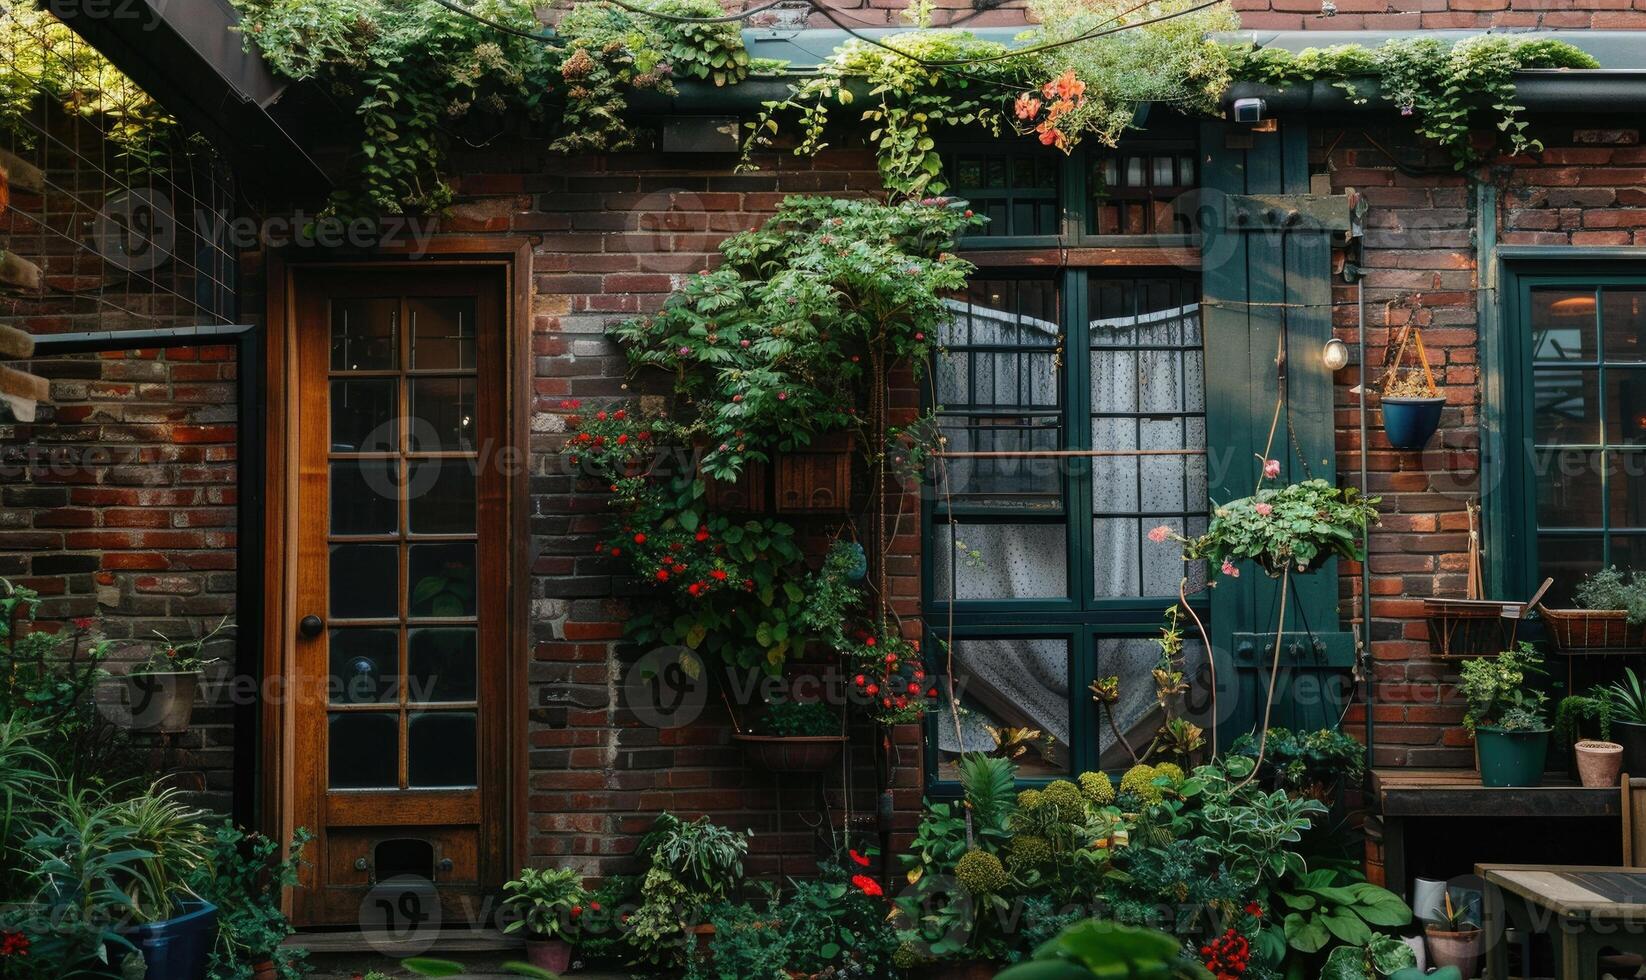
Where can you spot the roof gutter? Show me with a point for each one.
(1594, 92)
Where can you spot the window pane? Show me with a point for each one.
(440, 665)
(365, 334)
(1566, 560)
(1568, 489)
(1566, 407)
(1626, 489)
(363, 496)
(1623, 321)
(442, 333)
(1132, 660)
(1625, 406)
(1563, 325)
(362, 416)
(363, 750)
(1016, 188)
(364, 581)
(1008, 683)
(1126, 563)
(441, 749)
(365, 665)
(1000, 561)
(441, 579)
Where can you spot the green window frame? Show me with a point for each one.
(1103, 633)
(1566, 385)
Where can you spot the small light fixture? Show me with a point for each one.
(1335, 355)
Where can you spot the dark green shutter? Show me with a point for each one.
(1256, 258)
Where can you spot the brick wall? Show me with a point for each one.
(1411, 15)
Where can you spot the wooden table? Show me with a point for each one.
(1581, 910)
(1403, 794)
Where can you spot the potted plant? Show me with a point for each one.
(690, 866)
(1599, 760)
(1626, 707)
(246, 880)
(794, 736)
(1454, 938)
(547, 904)
(1610, 614)
(1506, 716)
(1312, 765)
(1411, 402)
(1295, 527)
(160, 690)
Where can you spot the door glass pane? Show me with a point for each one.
(1005, 683)
(1566, 407)
(363, 750)
(1626, 489)
(440, 496)
(362, 416)
(365, 581)
(441, 579)
(441, 749)
(1000, 561)
(442, 333)
(1126, 563)
(1563, 325)
(365, 334)
(442, 412)
(1623, 322)
(365, 666)
(363, 496)
(1625, 406)
(440, 665)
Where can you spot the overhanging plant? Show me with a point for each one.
(1497, 691)
(1295, 527)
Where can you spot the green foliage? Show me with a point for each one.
(1096, 948)
(748, 944)
(414, 71)
(810, 719)
(182, 656)
(246, 878)
(1308, 761)
(709, 51)
(1626, 699)
(691, 866)
(1381, 956)
(1497, 691)
(545, 903)
(1297, 525)
(1608, 589)
(1320, 908)
(836, 925)
(1575, 709)
(1450, 90)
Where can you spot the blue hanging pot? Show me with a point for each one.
(859, 568)
(1409, 422)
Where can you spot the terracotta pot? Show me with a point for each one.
(1459, 949)
(263, 970)
(161, 702)
(1598, 763)
(793, 753)
(553, 955)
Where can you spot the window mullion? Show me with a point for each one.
(1077, 427)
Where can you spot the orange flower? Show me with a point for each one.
(1027, 106)
(1065, 86)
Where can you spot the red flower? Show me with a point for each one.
(13, 944)
(594, 906)
(719, 575)
(577, 911)
(867, 886)
(82, 623)
(639, 539)
(662, 575)
(619, 414)
(702, 534)
(1254, 910)
(861, 860)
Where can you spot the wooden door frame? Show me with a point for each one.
(510, 259)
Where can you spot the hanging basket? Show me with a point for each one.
(1472, 627)
(1409, 423)
(1592, 630)
(796, 753)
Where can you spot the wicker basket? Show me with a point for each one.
(1472, 627)
(1577, 630)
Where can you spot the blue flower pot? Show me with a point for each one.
(1409, 422)
(179, 947)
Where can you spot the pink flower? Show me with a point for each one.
(1229, 569)
(1271, 468)
(1159, 534)
(1264, 509)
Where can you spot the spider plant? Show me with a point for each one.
(1628, 698)
(26, 777)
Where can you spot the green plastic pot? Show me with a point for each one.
(1511, 758)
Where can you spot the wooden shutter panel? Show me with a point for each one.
(1267, 254)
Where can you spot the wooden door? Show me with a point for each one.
(399, 605)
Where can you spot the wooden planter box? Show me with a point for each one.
(798, 753)
(746, 496)
(1580, 630)
(818, 479)
(1472, 627)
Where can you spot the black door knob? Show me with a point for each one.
(310, 626)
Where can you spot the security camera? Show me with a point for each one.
(1249, 110)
